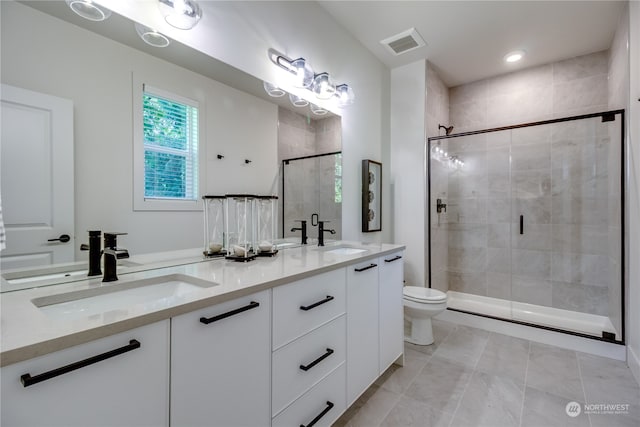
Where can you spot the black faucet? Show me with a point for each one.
(321, 232)
(303, 228)
(111, 256)
(94, 253)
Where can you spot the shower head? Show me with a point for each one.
(447, 130)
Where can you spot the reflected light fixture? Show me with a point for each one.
(345, 95)
(273, 90)
(89, 10)
(318, 111)
(514, 56)
(151, 36)
(298, 101)
(181, 14)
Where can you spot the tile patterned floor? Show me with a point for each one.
(471, 377)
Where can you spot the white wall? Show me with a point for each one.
(408, 86)
(633, 195)
(97, 74)
(240, 34)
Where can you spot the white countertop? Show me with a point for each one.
(28, 331)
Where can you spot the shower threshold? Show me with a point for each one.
(590, 325)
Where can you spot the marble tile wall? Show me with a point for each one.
(574, 86)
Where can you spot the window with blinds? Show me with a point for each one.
(170, 127)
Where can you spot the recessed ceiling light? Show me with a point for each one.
(514, 56)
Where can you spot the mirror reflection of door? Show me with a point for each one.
(310, 151)
(36, 178)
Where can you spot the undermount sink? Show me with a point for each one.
(147, 294)
(342, 250)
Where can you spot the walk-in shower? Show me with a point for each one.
(526, 223)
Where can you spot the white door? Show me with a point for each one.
(36, 156)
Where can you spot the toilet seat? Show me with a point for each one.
(423, 295)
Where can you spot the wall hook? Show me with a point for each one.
(220, 156)
(247, 161)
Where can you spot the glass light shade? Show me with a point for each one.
(181, 14)
(345, 95)
(298, 101)
(303, 73)
(322, 86)
(273, 90)
(318, 111)
(89, 10)
(151, 36)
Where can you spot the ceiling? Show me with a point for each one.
(467, 40)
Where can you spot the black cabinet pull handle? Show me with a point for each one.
(315, 304)
(328, 353)
(320, 415)
(207, 320)
(28, 380)
(397, 257)
(366, 268)
(521, 224)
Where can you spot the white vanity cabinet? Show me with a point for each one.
(391, 310)
(221, 364)
(309, 350)
(362, 327)
(120, 380)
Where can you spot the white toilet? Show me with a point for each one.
(420, 305)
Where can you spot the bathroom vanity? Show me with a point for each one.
(288, 340)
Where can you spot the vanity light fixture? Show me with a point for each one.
(345, 95)
(323, 87)
(89, 10)
(303, 76)
(514, 56)
(181, 14)
(273, 90)
(151, 36)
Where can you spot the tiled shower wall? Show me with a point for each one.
(310, 183)
(437, 113)
(559, 181)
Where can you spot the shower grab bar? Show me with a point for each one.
(521, 224)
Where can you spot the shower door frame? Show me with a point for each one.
(623, 174)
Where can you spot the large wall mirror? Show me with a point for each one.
(47, 49)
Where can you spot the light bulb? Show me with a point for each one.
(303, 73)
(322, 86)
(345, 95)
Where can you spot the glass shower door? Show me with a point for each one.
(312, 185)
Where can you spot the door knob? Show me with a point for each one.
(64, 238)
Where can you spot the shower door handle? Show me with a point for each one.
(521, 224)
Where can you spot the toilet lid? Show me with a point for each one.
(420, 294)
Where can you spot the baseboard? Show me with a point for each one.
(633, 361)
(558, 339)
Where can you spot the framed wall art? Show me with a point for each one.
(371, 196)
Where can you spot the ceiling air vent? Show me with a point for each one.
(404, 42)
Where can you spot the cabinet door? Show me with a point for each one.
(391, 316)
(362, 328)
(221, 364)
(126, 385)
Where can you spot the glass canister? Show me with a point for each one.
(240, 226)
(214, 225)
(266, 212)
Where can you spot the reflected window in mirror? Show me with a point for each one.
(167, 169)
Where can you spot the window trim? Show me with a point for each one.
(140, 203)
